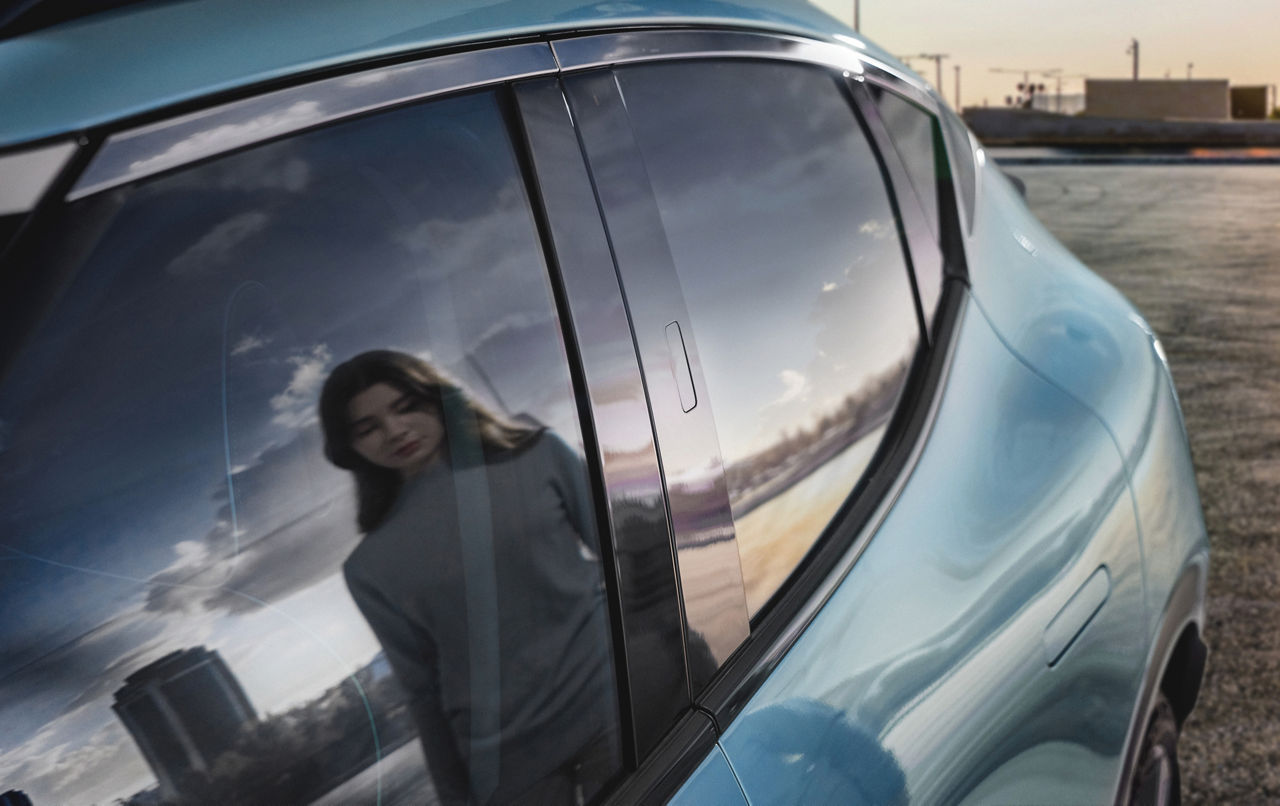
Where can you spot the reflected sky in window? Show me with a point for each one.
(163, 478)
(782, 235)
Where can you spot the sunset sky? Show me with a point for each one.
(1232, 39)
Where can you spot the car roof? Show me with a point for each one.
(133, 60)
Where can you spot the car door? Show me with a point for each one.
(909, 561)
(197, 609)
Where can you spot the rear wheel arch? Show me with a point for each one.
(1184, 672)
(1175, 665)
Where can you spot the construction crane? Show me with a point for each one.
(1026, 86)
(937, 62)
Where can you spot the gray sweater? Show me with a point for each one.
(495, 623)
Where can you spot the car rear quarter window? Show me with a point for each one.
(790, 263)
(966, 171)
(198, 606)
(917, 140)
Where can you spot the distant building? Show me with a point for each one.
(183, 711)
(1252, 103)
(1158, 99)
(1064, 104)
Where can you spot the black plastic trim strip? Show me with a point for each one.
(591, 445)
(715, 608)
(648, 621)
(671, 763)
(27, 288)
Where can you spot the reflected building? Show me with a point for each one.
(183, 711)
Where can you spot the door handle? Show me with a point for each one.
(680, 367)
(1076, 614)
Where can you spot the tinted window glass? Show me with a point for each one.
(791, 265)
(191, 611)
(918, 143)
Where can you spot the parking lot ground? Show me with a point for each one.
(1197, 248)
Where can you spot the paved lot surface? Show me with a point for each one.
(1197, 248)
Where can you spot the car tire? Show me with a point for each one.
(1156, 781)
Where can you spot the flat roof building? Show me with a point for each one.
(1158, 99)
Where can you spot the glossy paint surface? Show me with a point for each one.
(153, 55)
(1080, 333)
(712, 784)
(929, 654)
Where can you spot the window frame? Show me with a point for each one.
(109, 156)
(836, 550)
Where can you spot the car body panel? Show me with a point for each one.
(155, 55)
(996, 632)
(1083, 335)
(712, 784)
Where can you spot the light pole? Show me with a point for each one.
(857, 23)
(1189, 66)
(957, 88)
(937, 62)
(1133, 48)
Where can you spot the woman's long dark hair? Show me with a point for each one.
(377, 487)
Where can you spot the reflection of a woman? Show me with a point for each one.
(479, 574)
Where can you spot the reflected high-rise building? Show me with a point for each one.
(183, 710)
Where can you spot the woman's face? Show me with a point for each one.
(394, 430)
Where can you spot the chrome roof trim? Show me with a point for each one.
(148, 150)
(26, 175)
(138, 153)
(601, 50)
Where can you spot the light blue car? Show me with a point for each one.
(547, 402)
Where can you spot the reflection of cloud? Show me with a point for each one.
(795, 386)
(511, 325)
(289, 559)
(248, 344)
(295, 406)
(216, 246)
(55, 769)
(466, 243)
(206, 141)
(876, 229)
(292, 537)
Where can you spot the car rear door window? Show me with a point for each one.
(199, 608)
(790, 262)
